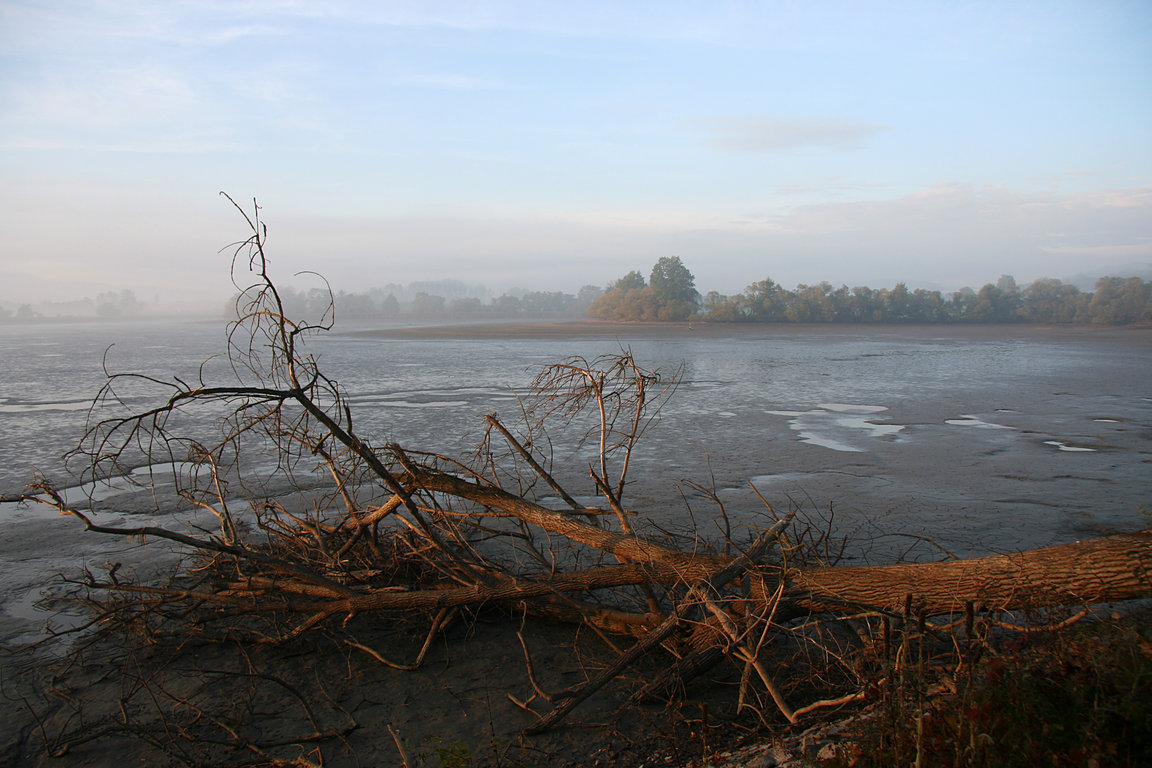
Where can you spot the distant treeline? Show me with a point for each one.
(436, 300)
(670, 294)
(1116, 301)
(112, 305)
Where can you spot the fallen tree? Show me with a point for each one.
(401, 531)
(1108, 569)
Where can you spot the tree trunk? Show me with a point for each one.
(1094, 571)
(1097, 570)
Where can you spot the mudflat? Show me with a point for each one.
(529, 329)
(1036, 464)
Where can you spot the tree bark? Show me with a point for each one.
(1098, 570)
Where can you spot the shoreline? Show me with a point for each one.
(572, 329)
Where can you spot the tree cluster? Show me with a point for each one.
(669, 294)
(442, 300)
(1116, 301)
(109, 305)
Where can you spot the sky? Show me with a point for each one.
(550, 145)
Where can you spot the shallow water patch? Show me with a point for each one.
(7, 405)
(840, 426)
(1069, 448)
(965, 420)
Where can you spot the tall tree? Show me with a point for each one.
(672, 282)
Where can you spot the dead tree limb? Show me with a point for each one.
(1099, 570)
(702, 590)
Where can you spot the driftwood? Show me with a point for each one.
(400, 531)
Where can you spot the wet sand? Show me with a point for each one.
(455, 707)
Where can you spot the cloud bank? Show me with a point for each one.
(766, 134)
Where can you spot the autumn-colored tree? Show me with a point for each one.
(670, 295)
(1120, 301)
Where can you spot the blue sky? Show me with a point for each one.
(548, 145)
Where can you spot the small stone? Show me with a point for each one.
(763, 760)
(826, 752)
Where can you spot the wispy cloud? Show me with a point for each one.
(71, 29)
(1142, 250)
(1126, 198)
(452, 82)
(217, 36)
(166, 145)
(767, 134)
(119, 106)
(104, 97)
(963, 233)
